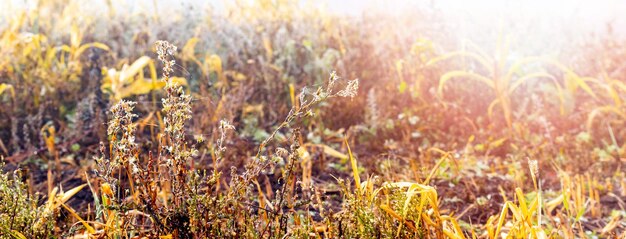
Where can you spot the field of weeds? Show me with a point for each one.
(288, 119)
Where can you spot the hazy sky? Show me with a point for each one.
(598, 9)
(586, 15)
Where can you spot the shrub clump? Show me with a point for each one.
(20, 216)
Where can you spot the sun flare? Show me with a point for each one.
(312, 119)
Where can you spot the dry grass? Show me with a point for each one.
(222, 143)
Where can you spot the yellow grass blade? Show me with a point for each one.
(131, 71)
(17, 234)
(269, 52)
(457, 233)
(292, 95)
(450, 234)
(332, 152)
(618, 84)
(214, 63)
(89, 228)
(444, 155)
(75, 36)
(525, 212)
(600, 110)
(189, 48)
(527, 77)
(552, 204)
(517, 66)
(48, 132)
(69, 194)
(355, 170)
(144, 86)
(397, 217)
(306, 164)
(463, 74)
(51, 198)
(484, 62)
(501, 218)
(82, 48)
(4, 87)
(577, 81)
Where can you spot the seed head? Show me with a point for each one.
(165, 49)
(350, 90)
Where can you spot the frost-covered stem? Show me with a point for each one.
(177, 110)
